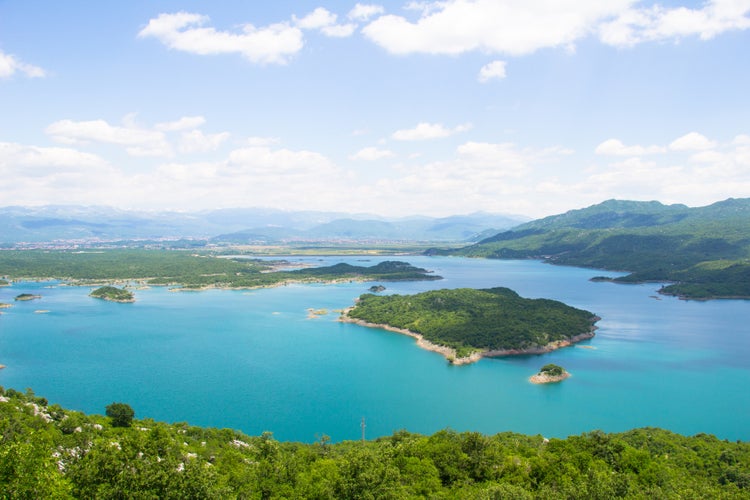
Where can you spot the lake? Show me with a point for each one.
(254, 360)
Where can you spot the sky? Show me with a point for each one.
(396, 108)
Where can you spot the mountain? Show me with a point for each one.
(238, 225)
(704, 250)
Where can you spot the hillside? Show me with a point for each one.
(47, 451)
(705, 251)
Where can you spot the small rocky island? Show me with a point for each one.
(27, 296)
(113, 294)
(467, 324)
(549, 374)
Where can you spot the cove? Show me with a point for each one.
(254, 361)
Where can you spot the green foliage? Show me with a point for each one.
(74, 456)
(468, 319)
(121, 414)
(113, 293)
(706, 250)
(552, 370)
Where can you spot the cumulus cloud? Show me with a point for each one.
(371, 154)
(10, 65)
(363, 12)
(617, 148)
(492, 71)
(514, 28)
(424, 131)
(520, 28)
(692, 142)
(325, 21)
(14, 155)
(186, 32)
(137, 141)
(638, 25)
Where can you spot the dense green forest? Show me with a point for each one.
(466, 319)
(190, 270)
(49, 452)
(705, 251)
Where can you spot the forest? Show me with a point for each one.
(47, 451)
(467, 319)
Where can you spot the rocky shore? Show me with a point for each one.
(450, 354)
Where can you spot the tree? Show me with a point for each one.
(121, 414)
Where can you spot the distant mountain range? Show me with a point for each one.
(704, 250)
(239, 226)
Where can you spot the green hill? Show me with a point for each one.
(705, 251)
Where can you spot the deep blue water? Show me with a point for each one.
(252, 360)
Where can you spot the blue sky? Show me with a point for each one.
(394, 108)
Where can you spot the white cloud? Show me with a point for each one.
(184, 123)
(10, 65)
(184, 31)
(363, 12)
(196, 141)
(137, 141)
(692, 142)
(514, 28)
(371, 154)
(317, 19)
(517, 28)
(325, 21)
(492, 71)
(424, 131)
(17, 155)
(655, 23)
(617, 148)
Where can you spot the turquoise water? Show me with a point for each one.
(252, 360)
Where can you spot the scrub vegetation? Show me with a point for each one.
(49, 452)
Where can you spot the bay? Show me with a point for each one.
(255, 360)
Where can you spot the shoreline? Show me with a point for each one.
(542, 378)
(449, 353)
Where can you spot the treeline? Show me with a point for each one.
(705, 251)
(187, 269)
(49, 452)
(467, 319)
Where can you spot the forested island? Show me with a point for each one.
(466, 324)
(47, 451)
(702, 253)
(113, 294)
(23, 297)
(188, 270)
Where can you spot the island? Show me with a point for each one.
(467, 324)
(376, 288)
(113, 294)
(548, 374)
(27, 296)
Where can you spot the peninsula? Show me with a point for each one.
(467, 324)
(189, 271)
